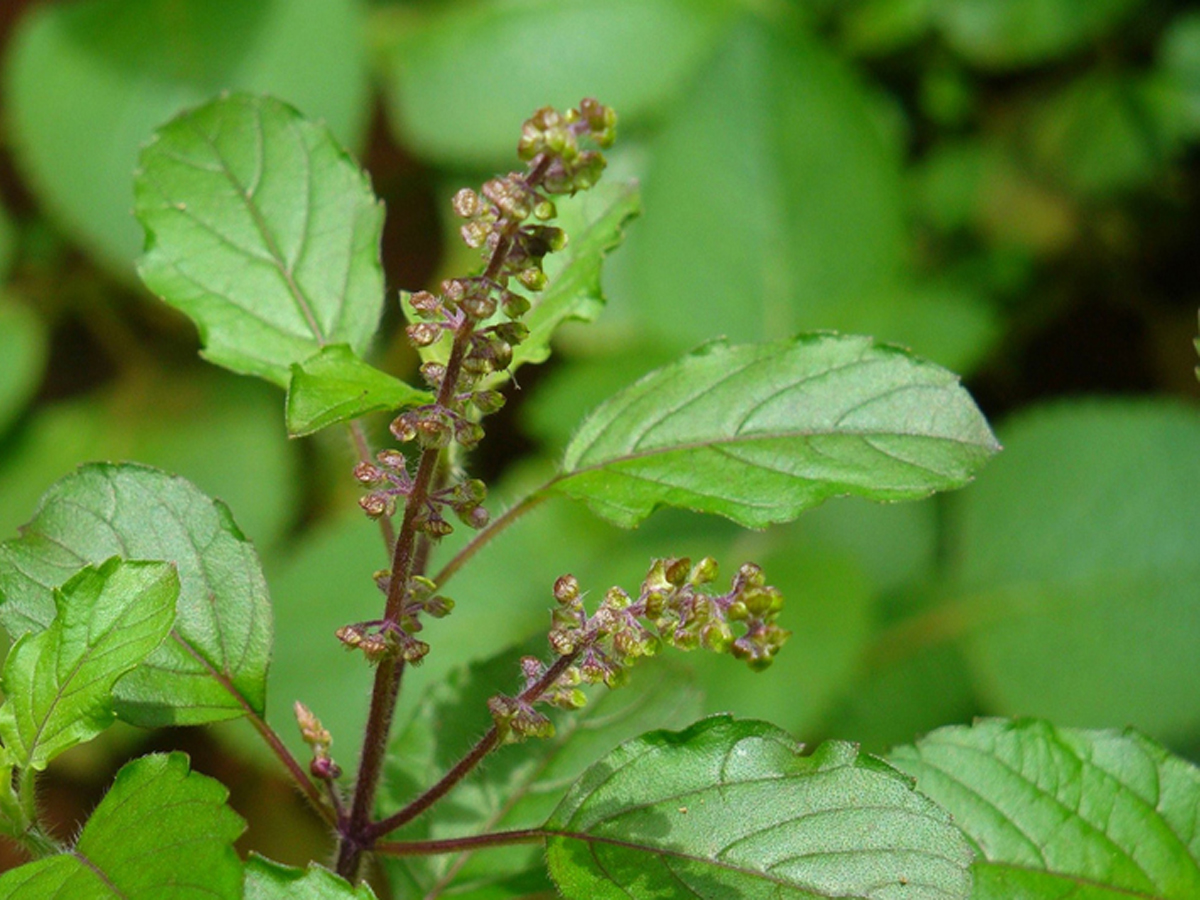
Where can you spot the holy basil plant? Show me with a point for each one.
(131, 595)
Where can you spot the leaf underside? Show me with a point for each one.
(262, 229)
(760, 432)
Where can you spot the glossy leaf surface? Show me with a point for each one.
(58, 683)
(160, 831)
(214, 665)
(729, 809)
(336, 386)
(759, 433)
(262, 229)
(1058, 812)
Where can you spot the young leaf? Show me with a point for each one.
(1060, 812)
(262, 229)
(760, 432)
(59, 682)
(336, 386)
(574, 291)
(161, 831)
(267, 880)
(574, 272)
(214, 665)
(520, 785)
(730, 809)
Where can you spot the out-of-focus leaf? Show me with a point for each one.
(22, 358)
(894, 700)
(214, 666)
(267, 880)
(759, 433)
(220, 432)
(884, 26)
(519, 785)
(58, 682)
(1078, 557)
(160, 831)
(730, 808)
(87, 83)
(1105, 133)
(1007, 34)
(262, 229)
(336, 386)
(1179, 60)
(634, 55)
(1057, 812)
(807, 219)
(7, 243)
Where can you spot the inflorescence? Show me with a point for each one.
(670, 609)
(505, 221)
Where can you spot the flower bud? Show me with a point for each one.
(566, 589)
(488, 402)
(465, 203)
(433, 373)
(422, 334)
(533, 279)
(425, 304)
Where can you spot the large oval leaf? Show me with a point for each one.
(262, 229)
(760, 432)
(214, 665)
(729, 809)
(1056, 812)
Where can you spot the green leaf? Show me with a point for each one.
(634, 55)
(267, 880)
(7, 243)
(336, 386)
(22, 357)
(1077, 558)
(1057, 812)
(574, 291)
(160, 831)
(730, 809)
(759, 433)
(1105, 133)
(262, 229)
(88, 82)
(1007, 34)
(1179, 59)
(221, 432)
(215, 664)
(520, 784)
(59, 682)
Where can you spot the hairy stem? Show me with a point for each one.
(482, 748)
(459, 845)
(311, 792)
(389, 674)
(484, 536)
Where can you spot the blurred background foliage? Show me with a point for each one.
(1010, 187)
